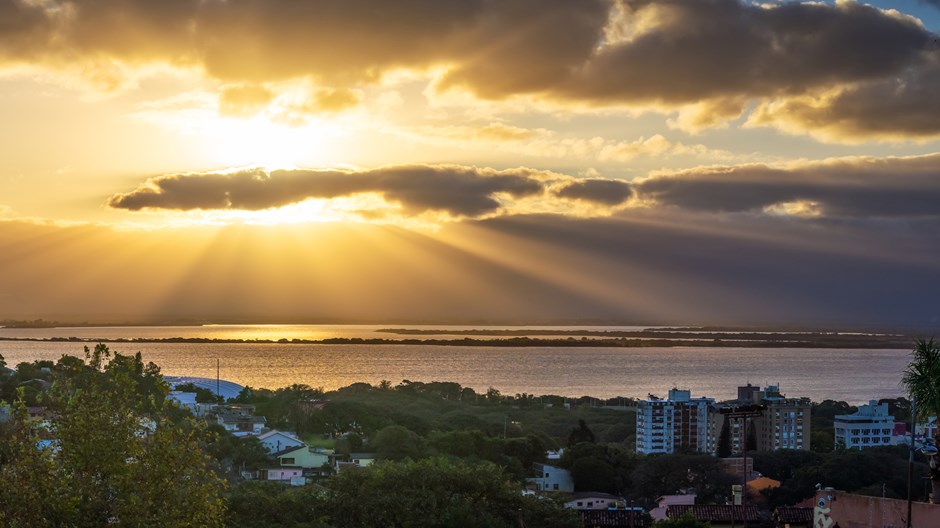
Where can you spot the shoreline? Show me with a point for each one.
(719, 341)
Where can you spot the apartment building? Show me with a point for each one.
(785, 423)
(676, 423)
(870, 426)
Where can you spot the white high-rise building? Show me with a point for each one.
(871, 426)
(676, 423)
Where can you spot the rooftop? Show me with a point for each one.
(713, 512)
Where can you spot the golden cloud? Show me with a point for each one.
(709, 56)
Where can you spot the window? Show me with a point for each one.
(555, 486)
(287, 461)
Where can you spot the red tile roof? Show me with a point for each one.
(613, 519)
(713, 512)
(792, 514)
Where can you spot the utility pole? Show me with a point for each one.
(743, 412)
(910, 462)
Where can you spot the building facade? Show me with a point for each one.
(785, 423)
(552, 478)
(870, 426)
(677, 423)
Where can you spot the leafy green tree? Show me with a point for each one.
(28, 476)
(396, 443)
(113, 458)
(669, 474)
(436, 492)
(235, 454)
(594, 474)
(580, 434)
(349, 443)
(751, 439)
(782, 464)
(203, 395)
(686, 521)
(724, 440)
(600, 467)
(922, 379)
(260, 504)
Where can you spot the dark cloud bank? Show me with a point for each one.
(649, 267)
(459, 191)
(837, 62)
(842, 188)
(703, 245)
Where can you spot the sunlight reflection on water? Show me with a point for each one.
(841, 374)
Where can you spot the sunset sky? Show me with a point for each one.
(668, 161)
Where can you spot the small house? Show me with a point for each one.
(240, 424)
(303, 457)
(552, 478)
(283, 474)
(593, 500)
(275, 441)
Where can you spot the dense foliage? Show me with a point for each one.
(111, 453)
(112, 450)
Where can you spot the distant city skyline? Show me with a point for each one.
(658, 162)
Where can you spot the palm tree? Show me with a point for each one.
(922, 379)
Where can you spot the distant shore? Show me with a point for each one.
(595, 340)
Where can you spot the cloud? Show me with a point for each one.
(541, 142)
(644, 266)
(244, 100)
(857, 188)
(455, 190)
(607, 192)
(841, 188)
(682, 52)
(708, 58)
(333, 100)
(902, 107)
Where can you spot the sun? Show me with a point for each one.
(260, 142)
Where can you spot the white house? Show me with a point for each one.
(303, 457)
(341, 461)
(283, 474)
(593, 500)
(275, 441)
(551, 478)
(240, 424)
(871, 426)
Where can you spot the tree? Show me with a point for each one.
(922, 379)
(261, 504)
(396, 443)
(436, 492)
(349, 443)
(724, 440)
(203, 395)
(751, 440)
(581, 434)
(594, 474)
(113, 456)
(686, 521)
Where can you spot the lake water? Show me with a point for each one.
(840, 374)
